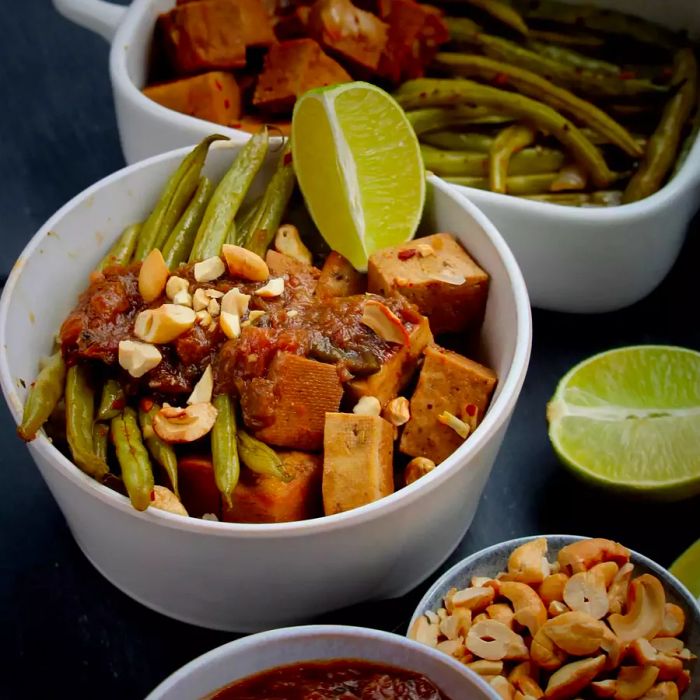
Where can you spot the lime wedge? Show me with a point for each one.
(359, 168)
(687, 569)
(629, 419)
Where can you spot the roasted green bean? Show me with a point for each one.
(243, 222)
(80, 414)
(505, 14)
(434, 119)
(664, 142)
(100, 439)
(112, 400)
(459, 141)
(510, 141)
(161, 451)
(567, 39)
(132, 455)
(572, 58)
(537, 114)
(42, 397)
(274, 203)
(260, 458)
(516, 185)
(174, 199)
(602, 198)
(224, 447)
(228, 196)
(179, 244)
(120, 253)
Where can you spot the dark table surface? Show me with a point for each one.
(64, 630)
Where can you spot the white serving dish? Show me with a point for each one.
(575, 260)
(251, 577)
(261, 652)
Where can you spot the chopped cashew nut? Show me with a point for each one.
(397, 411)
(662, 691)
(584, 554)
(502, 613)
(367, 406)
(214, 308)
(645, 610)
(453, 647)
(153, 276)
(569, 680)
(176, 284)
(486, 668)
(292, 313)
(557, 608)
(646, 655)
(545, 653)
(164, 324)
(674, 621)
(288, 242)
(528, 562)
(634, 681)
(213, 517)
(174, 424)
(494, 641)
(384, 322)
(424, 631)
(424, 249)
(416, 468)
(617, 592)
(213, 293)
(183, 298)
(244, 263)
(473, 598)
(230, 324)
(203, 317)
(165, 499)
(586, 592)
(274, 288)
(138, 358)
(552, 588)
(234, 302)
(451, 421)
(614, 648)
(503, 687)
(457, 624)
(528, 606)
(204, 388)
(575, 633)
(253, 316)
(209, 269)
(200, 300)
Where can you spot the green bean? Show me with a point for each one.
(567, 39)
(664, 142)
(574, 59)
(260, 458)
(112, 400)
(463, 30)
(174, 199)
(600, 140)
(505, 14)
(532, 85)
(511, 140)
(42, 397)
(179, 244)
(597, 19)
(228, 196)
(243, 222)
(161, 451)
(274, 203)
(224, 447)
(537, 114)
(120, 253)
(459, 141)
(80, 413)
(132, 455)
(515, 185)
(433, 119)
(100, 437)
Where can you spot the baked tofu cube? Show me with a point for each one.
(339, 278)
(396, 371)
(197, 486)
(358, 467)
(346, 31)
(438, 276)
(213, 96)
(447, 382)
(304, 391)
(267, 499)
(291, 68)
(200, 36)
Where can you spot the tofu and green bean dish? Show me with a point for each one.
(223, 363)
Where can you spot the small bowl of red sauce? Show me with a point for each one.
(324, 662)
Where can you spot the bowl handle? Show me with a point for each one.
(99, 16)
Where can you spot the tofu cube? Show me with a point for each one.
(339, 278)
(291, 68)
(396, 371)
(304, 391)
(213, 96)
(197, 485)
(357, 461)
(438, 276)
(266, 499)
(447, 382)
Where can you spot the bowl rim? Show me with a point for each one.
(302, 632)
(498, 413)
(680, 184)
(666, 577)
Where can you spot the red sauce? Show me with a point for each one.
(343, 679)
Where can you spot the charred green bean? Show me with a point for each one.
(100, 439)
(224, 447)
(434, 119)
(505, 14)
(161, 451)
(42, 397)
(112, 400)
(516, 184)
(122, 251)
(459, 141)
(137, 472)
(569, 57)
(511, 140)
(260, 458)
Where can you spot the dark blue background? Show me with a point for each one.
(64, 630)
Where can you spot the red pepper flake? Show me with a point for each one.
(500, 79)
(627, 75)
(287, 158)
(219, 86)
(146, 405)
(406, 254)
(153, 495)
(227, 103)
(470, 409)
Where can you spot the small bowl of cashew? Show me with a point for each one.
(562, 617)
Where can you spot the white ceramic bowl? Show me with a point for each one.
(261, 652)
(576, 260)
(251, 577)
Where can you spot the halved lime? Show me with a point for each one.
(629, 419)
(687, 569)
(359, 167)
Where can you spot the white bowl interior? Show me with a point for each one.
(261, 652)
